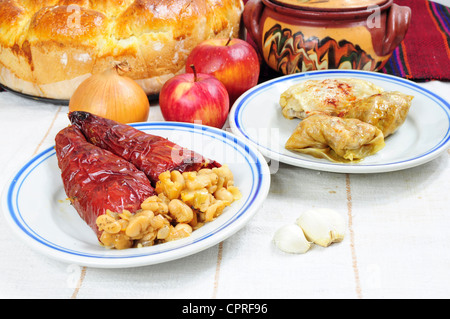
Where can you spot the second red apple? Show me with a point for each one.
(233, 61)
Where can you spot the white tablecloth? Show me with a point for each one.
(397, 243)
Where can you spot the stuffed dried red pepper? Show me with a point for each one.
(95, 180)
(151, 154)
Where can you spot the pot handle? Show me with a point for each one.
(252, 14)
(397, 26)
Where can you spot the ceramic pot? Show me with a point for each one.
(305, 35)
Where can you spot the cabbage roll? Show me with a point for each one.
(387, 110)
(330, 96)
(337, 139)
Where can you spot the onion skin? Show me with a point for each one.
(112, 96)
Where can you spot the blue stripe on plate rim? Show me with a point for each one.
(251, 158)
(385, 77)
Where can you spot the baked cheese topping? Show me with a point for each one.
(330, 96)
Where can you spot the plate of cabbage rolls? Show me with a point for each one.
(343, 121)
(112, 195)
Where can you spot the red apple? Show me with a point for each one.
(195, 98)
(233, 61)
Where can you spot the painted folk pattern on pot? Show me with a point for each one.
(289, 52)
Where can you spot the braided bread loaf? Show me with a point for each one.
(48, 47)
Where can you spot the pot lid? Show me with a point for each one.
(332, 5)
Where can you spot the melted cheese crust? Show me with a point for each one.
(330, 96)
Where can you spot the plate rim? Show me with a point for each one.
(261, 182)
(429, 155)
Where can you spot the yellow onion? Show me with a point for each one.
(112, 96)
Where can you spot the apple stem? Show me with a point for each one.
(195, 72)
(229, 40)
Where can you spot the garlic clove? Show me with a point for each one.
(291, 239)
(322, 226)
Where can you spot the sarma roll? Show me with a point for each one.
(336, 139)
(387, 110)
(329, 96)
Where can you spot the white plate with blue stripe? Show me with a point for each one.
(35, 204)
(256, 116)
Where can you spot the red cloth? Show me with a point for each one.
(425, 53)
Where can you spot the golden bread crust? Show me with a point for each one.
(57, 43)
